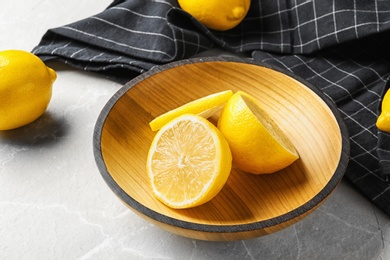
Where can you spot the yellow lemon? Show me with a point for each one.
(205, 107)
(257, 144)
(189, 162)
(219, 15)
(25, 88)
(383, 121)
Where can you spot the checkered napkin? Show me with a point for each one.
(342, 47)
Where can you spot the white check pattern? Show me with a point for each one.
(342, 47)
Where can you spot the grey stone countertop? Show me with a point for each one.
(54, 203)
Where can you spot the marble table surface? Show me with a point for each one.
(54, 203)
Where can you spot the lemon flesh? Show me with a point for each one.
(188, 163)
(205, 107)
(257, 144)
(25, 88)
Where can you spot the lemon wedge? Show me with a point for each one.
(257, 144)
(205, 107)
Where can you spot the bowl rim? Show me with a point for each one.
(301, 210)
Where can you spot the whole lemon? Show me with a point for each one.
(383, 121)
(218, 15)
(25, 88)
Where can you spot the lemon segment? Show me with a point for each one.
(25, 88)
(188, 163)
(205, 107)
(257, 144)
(218, 15)
(383, 121)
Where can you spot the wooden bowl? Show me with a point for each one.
(249, 205)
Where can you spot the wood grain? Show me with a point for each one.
(249, 205)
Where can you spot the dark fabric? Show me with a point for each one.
(339, 46)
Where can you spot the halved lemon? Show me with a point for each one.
(189, 162)
(257, 144)
(205, 107)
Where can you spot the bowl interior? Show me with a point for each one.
(124, 139)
